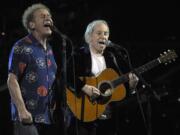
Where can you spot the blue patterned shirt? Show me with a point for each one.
(35, 69)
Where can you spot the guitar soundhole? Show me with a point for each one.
(103, 98)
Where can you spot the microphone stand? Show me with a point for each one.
(144, 85)
(151, 92)
(62, 80)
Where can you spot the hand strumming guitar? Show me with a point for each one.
(91, 90)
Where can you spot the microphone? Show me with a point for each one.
(120, 49)
(27, 121)
(56, 30)
(109, 43)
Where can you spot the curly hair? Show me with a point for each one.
(29, 12)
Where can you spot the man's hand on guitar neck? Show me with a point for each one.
(133, 80)
(91, 90)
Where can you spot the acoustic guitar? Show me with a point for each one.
(87, 110)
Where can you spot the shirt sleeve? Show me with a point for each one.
(17, 60)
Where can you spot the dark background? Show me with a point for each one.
(144, 28)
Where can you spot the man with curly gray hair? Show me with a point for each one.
(32, 70)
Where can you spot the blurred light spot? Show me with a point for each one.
(178, 99)
(3, 33)
(163, 115)
(127, 120)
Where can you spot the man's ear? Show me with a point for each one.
(31, 25)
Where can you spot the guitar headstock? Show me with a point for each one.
(168, 57)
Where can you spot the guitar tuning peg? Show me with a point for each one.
(165, 52)
(168, 50)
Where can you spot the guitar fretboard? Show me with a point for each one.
(147, 66)
(124, 78)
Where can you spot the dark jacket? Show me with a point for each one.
(80, 66)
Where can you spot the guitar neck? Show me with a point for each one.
(124, 78)
(147, 66)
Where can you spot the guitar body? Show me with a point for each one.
(86, 110)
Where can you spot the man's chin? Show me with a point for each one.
(48, 34)
(100, 51)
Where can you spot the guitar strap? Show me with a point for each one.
(115, 62)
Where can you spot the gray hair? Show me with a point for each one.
(29, 12)
(90, 29)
